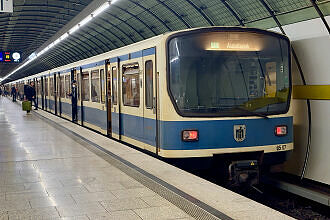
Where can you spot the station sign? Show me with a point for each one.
(10, 56)
(6, 6)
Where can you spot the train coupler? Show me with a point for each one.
(244, 172)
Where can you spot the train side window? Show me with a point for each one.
(114, 85)
(78, 85)
(46, 87)
(85, 86)
(39, 87)
(62, 91)
(131, 85)
(51, 86)
(95, 86)
(67, 86)
(102, 85)
(149, 83)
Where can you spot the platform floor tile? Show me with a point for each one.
(118, 215)
(167, 212)
(45, 174)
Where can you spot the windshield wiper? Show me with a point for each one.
(251, 112)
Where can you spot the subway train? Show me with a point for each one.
(214, 93)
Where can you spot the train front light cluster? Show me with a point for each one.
(281, 130)
(190, 135)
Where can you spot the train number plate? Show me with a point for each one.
(281, 147)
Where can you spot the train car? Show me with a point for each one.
(216, 92)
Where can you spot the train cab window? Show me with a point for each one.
(85, 86)
(102, 83)
(131, 85)
(62, 89)
(95, 86)
(67, 86)
(149, 83)
(211, 74)
(114, 85)
(46, 87)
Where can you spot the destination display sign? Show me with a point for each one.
(10, 57)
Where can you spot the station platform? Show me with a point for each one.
(51, 168)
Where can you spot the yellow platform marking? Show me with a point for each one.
(318, 92)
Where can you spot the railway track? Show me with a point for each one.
(280, 200)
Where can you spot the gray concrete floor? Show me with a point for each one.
(45, 174)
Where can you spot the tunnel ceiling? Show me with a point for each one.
(129, 21)
(33, 23)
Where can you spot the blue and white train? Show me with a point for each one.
(199, 93)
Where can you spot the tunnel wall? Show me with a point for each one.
(311, 42)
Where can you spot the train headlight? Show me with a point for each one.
(190, 135)
(281, 130)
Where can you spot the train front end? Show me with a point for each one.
(228, 97)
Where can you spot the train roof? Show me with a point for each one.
(151, 42)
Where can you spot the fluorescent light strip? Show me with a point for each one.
(64, 36)
(74, 29)
(95, 13)
(101, 9)
(86, 20)
(57, 41)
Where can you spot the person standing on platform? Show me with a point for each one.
(17, 92)
(13, 93)
(5, 92)
(0, 91)
(30, 94)
(74, 100)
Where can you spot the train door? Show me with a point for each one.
(75, 105)
(55, 94)
(46, 93)
(131, 99)
(36, 89)
(78, 78)
(115, 99)
(51, 94)
(59, 94)
(108, 96)
(42, 93)
(150, 99)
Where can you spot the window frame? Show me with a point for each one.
(114, 97)
(89, 86)
(62, 86)
(102, 86)
(98, 95)
(46, 88)
(67, 90)
(138, 81)
(152, 83)
(225, 29)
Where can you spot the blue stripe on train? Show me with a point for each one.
(138, 128)
(51, 104)
(212, 134)
(91, 65)
(95, 117)
(137, 54)
(66, 109)
(220, 134)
